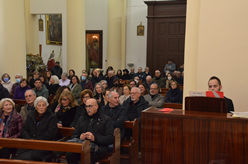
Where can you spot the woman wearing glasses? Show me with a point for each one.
(68, 107)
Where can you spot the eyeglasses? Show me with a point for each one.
(64, 99)
(89, 106)
(86, 97)
(153, 88)
(133, 93)
(28, 96)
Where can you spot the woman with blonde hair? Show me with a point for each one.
(99, 91)
(10, 124)
(53, 85)
(68, 107)
(126, 91)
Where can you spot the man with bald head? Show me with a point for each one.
(158, 79)
(148, 82)
(115, 111)
(96, 127)
(30, 97)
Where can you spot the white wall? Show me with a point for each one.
(136, 45)
(96, 18)
(41, 7)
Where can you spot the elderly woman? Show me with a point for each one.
(175, 94)
(18, 78)
(126, 91)
(6, 82)
(99, 91)
(54, 85)
(10, 124)
(117, 87)
(68, 107)
(41, 124)
(143, 89)
(20, 91)
(85, 95)
(75, 87)
(104, 84)
(64, 81)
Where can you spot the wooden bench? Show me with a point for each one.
(111, 158)
(83, 149)
(132, 145)
(173, 105)
(13, 161)
(19, 102)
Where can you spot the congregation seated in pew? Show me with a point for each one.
(30, 97)
(175, 94)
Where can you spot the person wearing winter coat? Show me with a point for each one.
(4, 93)
(20, 91)
(41, 124)
(10, 124)
(75, 87)
(154, 98)
(158, 79)
(54, 85)
(95, 127)
(175, 94)
(6, 82)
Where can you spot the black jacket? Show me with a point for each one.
(68, 116)
(4, 93)
(95, 80)
(53, 88)
(100, 126)
(229, 105)
(56, 70)
(80, 112)
(142, 105)
(44, 129)
(174, 96)
(117, 115)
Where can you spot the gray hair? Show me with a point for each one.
(155, 84)
(103, 89)
(19, 75)
(39, 99)
(31, 91)
(6, 99)
(147, 68)
(64, 74)
(104, 82)
(110, 94)
(55, 78)
(137, 89)
(148, 77)
(111, 71)
(157, 71)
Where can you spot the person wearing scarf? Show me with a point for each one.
(41, 124)
(175, 94)
(10, 124)
(96, 127)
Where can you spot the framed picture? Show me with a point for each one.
(93, 49)
(140, 30)
(40, 24)
(54, 29)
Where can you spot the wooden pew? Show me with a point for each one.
(13, 161)
(19, 102)
(132, 145)
(164, 90)
(111, 158)
(83, 149)
(173, 105)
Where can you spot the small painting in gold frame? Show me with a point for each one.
(140, 30)
(54, 29)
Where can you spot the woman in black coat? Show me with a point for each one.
(98, 92)
(41, 124)
(54, 85)
(175, 94)
(68, 107)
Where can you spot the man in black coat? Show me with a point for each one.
(57, 70)
(115, 111)
(110, 78)
(96, 127)
(214, 84)
(4, 93)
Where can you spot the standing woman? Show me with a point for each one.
(6, 82)
(10, 124)
(54, 85)
(126, 91)
(117, 87)
(41, 124)
(75, 87)
(20, 91)
(67, 110)
(143, 89)
(99, 91)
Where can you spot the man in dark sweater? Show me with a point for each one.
(57, 70)
(214, 84)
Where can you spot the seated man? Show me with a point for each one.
(154, 98)
(40, 89)
(85, 82)
(110, 78)
(178, 77)
(170, 66)
(214, 84)
(135, 104)
(18, 78)
(158, 79)
(96, 127)
(115, 111)
(30, 97)
(148, 82)
(141, 75)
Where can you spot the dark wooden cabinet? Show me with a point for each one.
(165, 33)
(193, 137)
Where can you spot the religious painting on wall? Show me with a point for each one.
(54, 29)
(93, 49)
(140, 30)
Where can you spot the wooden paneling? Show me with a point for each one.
(166, 33)
(193, 137)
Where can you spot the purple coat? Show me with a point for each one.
(19, 93)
